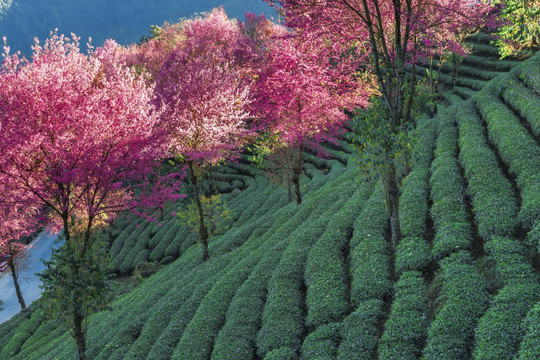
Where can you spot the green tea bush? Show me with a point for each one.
(493, 65)
(162, 232)
(453, 232)
(451, 333)
(370, 260)
(530, 345)
(493, 198)
(530, 73)
(359, 332)
(283, 317)
(501, 329)
(7, 329)
(118, 243)
(129, 243)
(236, 339)
(283, 353)
(322, 343)
(173, 249)
(163, 329)
(22, 333)
(406, 325)
(413, 203)
(325, 278)
(173, 230)
(136, 253)
(518, 149)
(524, 101)
(511, 264)
(198, 338)
(412, 253)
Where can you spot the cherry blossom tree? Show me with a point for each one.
(82, 143)
(203, 89)
(302, 90)
(393, 34)
(16, 221)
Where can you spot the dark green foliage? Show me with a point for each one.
(511, 265)
(453, 232)
(524, 101)
(452, 331)
(406, 325)
(118, 242)
(494, 202)
(164, 229)
(323, 343)
(530, 345)
(21, 335)
(530, 74)
(413, 203)
(412, 253)
(283, 318)
(501, 329)
(493, 65)
(517, 149)
(325, 276)
(198, 338)
(173, 231)
(359, 332)
(283, 353)
(129, 242)
(370, 259)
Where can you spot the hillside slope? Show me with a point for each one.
(320, 280)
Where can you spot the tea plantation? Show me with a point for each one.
(320, 280)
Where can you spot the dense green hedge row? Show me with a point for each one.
(453, 231)
(47, 333)
(524, 101)
(464, 70)
(511, 263)
(517, 149)
(530, 73)
(8, 328)
(325, 276)
(198, 337)
(370, 260)
(485, 50)
(447, 79)
(493, 65)
(413, 251)
(21, 334)
(501, 329)
(406, 326)
(463, 92)
(322, 343)
(118, 243)
(530, 345)
(283, 315)
(451, 333)
(359, 331)
(494, 202)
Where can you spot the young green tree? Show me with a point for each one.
(520, 28)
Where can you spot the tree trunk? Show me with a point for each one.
(289, 190)
(392, 198)
(297, 171)
(203, 231)
(78, 334)
(11, 263)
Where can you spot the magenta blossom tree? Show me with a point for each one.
(203, 89)
(82, 143)
(16, 221)
(303, 87)
(393, 33)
